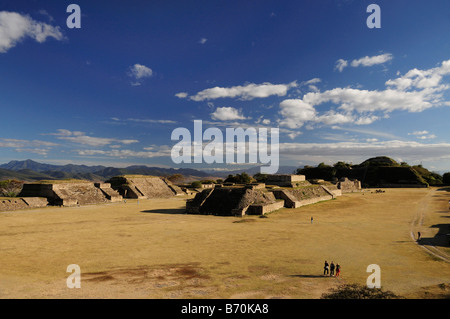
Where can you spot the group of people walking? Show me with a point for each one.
(329, 269)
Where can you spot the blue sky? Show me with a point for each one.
(112, 92)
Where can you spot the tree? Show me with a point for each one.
(259, 177)
(207, 181)
(341, 164)
(10, 188)
(446, 178)
(404, 164)
(323, 165)
(196, 184)
(243, 178)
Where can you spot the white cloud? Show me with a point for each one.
(160, 151)
(341, 64)
(332, 118)
(247, 92)
(46, 14)
(312, 81)
(422, 79)
(26, 146)
(152, 121)
(407, 150)
(365, 120)
(227, 114)
(15, 27)
(82, 138)
(296, 112)
(417, 91)
(293, 135)
(39, 151)
(181, 95)
(365, 61)
(418, 133)
(202, 40)
(373, 60)
(139, 72)
(423, 135)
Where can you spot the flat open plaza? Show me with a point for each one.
(152, 249)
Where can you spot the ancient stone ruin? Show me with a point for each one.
(286, 180)
(348, 185)
(141, 187)
(71, 193)
(8, 204)
(233, 201)
(279, 191)
(79, 192)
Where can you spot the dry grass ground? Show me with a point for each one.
(154, 250)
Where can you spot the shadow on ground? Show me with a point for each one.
(164, 211)
(442, 238)
(309, 276)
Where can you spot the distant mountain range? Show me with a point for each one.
(30, 170)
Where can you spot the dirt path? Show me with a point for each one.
(417, 224)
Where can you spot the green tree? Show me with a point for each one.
(446, 178)
(342, 165)
(259, 177)
(196, 184)
(243, 178)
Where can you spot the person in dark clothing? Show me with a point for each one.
(332, 269)
(325, 268)
(338, 270)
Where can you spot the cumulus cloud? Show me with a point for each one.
(422, 79)
(227, 114)
(245, 92)
(202, 40)
(341, 64)
(416, 91)
(15, 27)
(296, 112)
(139, 72)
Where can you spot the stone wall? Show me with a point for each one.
(140, 186)
(261, 209)
(286, 180)
(297, 197)
(348, 186)
(71, 193)
(109, 193)
(228, 201)
(10, 204)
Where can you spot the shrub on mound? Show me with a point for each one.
(355, 291)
